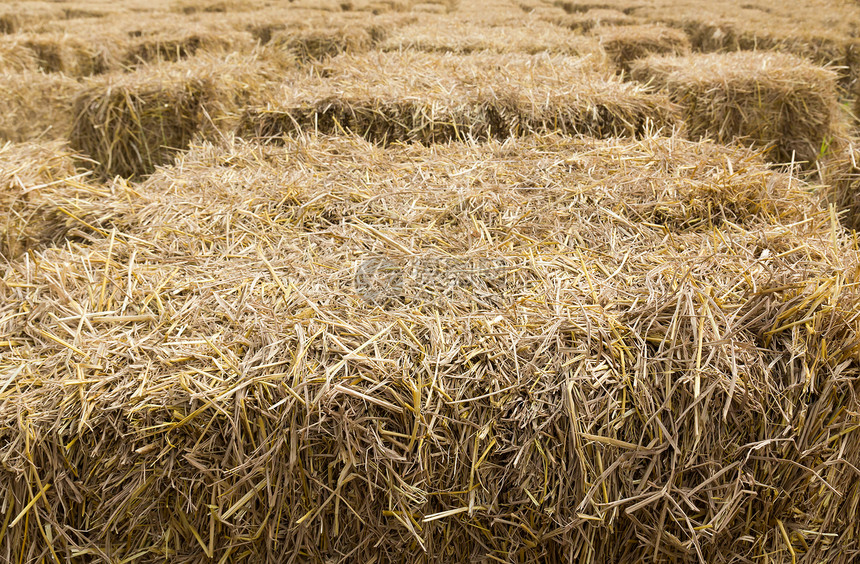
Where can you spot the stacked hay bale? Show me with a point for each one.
(626, 44)
(451, 35)
(130, 123)
(35, 105)
(767, 99)
(424, 97)
(613, 350)
(321, 43)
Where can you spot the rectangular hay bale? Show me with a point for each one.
(130, 123)
(531, 351)
(767, 99)
(35, 105)
(424, 97)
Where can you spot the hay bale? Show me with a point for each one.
(59, 52)
(317, 44)
(450, 35)
(15, 56)
(626, 44)
(337, 349)
(588, 20)
(45, 199)
(130, 123)
(35, 105)
(428, 8)
(172, 46)
(768, 99)
(409, 96)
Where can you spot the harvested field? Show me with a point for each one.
(767, 99)
(550, 350)
(410, 281)
(407, 96)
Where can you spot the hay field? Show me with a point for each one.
(380, 281)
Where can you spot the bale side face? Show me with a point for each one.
(132, 123)
(450, 35)
(769, 99)
(130, 128)
(16, 57)
(321, 43)
(28, 173)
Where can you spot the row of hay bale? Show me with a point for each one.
(543, 349)
(826, 35)
(80, 56)
(132, 122)
(127, 42)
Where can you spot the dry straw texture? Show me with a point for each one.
(411, 96)
(586, 20)
(35, 105)
(320, 43)
(625, 44)
(131, 123)
(767, 99)
(542, 350)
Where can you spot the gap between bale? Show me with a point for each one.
(547, 369)
(768, 99)
(422, 97)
